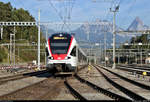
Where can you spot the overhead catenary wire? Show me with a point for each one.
(65, 15)
(67, 11)
(70, 12)
(57, 12)
(55, 9)
(63, 18)
(129, 10)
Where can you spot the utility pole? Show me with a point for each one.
(1, 32)
(11, 36)
(118, 58)
(46, 33)
(18, 54)
(39, 40)
(10, 48)
(105, 44)
(141, 56)
(100, 51)
(87, 28)
(114, 35)
(14, 44)
(8, 56)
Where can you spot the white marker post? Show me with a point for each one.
(39, 41)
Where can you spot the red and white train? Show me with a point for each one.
(63, 53)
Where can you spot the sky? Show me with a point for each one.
(87, 10)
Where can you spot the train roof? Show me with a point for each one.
(62, 34)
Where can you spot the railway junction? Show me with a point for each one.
(65, 59)
(98, 83)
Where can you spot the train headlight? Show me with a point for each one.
(67, 57)
(51, 58)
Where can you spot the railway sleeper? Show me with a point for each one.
(101, 90)
(124, 90)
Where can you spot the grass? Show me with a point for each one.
(23, 54)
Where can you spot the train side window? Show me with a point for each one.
(47, 54)
(73, 52)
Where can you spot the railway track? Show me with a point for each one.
(144, 68)
(125, 90)
(73, 91)
(47, 89)
(102, 90)
(4, 80)
(50, 89)
(42, 90)
(22, 91)
(129, 80)
(99, 90)
(137, 69)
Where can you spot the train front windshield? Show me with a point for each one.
(59, 43)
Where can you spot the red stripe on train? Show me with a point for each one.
(49, 46)
(60, 56)
(70, 45)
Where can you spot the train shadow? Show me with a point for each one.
(62, 76)
(47, 74)
(40, 74)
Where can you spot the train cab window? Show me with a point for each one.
(73, 52)
(47, 54)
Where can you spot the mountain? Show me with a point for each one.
(46, 30)
(137, 24)
(97, 32)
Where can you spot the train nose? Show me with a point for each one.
(59, 56)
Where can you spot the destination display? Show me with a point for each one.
(59, 38)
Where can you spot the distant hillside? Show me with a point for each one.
(22, 35)
(8, 13)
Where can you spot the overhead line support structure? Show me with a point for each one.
(134, 32)
(73, 23)
(39, 40)
(13, 24)
(114, 35)
(1, 28)
(48, 23)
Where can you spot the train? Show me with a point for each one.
(63, 54)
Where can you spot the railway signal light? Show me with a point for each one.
(144, 73)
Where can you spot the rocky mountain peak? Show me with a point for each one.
(137, 24)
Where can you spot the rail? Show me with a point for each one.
(101, 90)
(129, 80)
(74, 92)
(121, 88)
